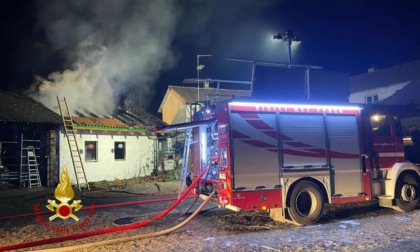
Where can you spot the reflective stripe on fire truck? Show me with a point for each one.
(391, 154)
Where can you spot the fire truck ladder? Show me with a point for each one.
(33, 173)
(185, 158)
(73, 146)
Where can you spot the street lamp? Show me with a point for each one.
(289, 37)
(199, 67)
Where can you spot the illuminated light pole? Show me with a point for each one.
(290, 38)
(199, 67)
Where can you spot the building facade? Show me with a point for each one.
(396, 85)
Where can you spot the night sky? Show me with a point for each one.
(131, 50)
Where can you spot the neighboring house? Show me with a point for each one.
(25, 123)
(398, 85)
(179, 102)
(179, 105)
(118, 147)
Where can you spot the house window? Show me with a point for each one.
(119, 150)
(372, 99)
(91, 151)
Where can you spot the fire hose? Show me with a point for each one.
(108, 230)
(84, 195)
(135, 237)
(96, 207)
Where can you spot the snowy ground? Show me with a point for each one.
(361, 228)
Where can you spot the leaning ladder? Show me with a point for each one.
(73, 146)
(185, 158)
(33, 173)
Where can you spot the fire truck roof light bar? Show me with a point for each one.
(298, 106)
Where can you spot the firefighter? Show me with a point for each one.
(188, 180)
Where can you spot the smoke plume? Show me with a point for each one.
(113, 49)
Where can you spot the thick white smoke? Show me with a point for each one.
(112, 48)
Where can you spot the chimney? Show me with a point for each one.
(371, 69)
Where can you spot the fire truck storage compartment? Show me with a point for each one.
(255, 150)
(257, 199)
(270, 145)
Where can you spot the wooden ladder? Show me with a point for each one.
(73, 146)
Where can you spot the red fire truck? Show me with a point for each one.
(291, 159)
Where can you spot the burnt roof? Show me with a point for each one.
(21, 108)
(120, 118)
(385, 77)
(105, 122)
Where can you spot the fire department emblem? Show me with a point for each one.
(64, 193)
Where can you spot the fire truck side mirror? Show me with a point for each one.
(415, 137)
(363, 162)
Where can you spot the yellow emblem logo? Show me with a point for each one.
(64, 193)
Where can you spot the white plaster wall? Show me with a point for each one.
(382, 92)
(138, 161)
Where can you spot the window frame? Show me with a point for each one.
(93, 151)
(373, 98)
(116, 150)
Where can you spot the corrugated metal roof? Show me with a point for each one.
(21, 108)
(385, 77)
(190, 94)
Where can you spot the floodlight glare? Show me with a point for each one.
(289, 37)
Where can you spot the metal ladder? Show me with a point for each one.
(33, 173)
(185, 158)
(73, 146)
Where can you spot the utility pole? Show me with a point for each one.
(199, 67)
(289, 37)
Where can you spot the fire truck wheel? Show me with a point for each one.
(306, 203)
(407, 193)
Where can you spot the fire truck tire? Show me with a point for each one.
(306, 203)
(407, 193)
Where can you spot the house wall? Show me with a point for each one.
(138, 162)
(174, 109)
(14, 140)
(382, 92)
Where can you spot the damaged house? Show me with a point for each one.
(34, 146)
(117, 146)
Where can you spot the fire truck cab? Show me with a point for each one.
(291, 159)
